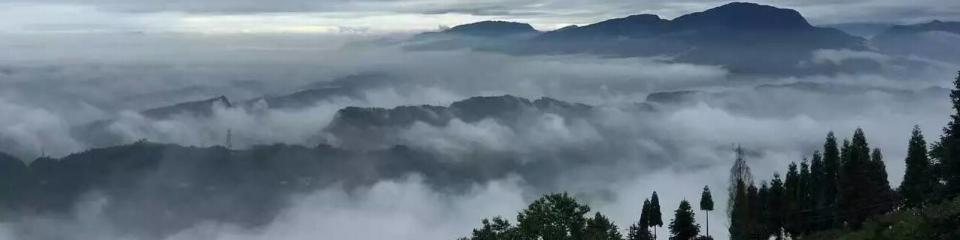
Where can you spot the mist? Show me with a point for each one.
(652, 124)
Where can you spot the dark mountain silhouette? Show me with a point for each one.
(351, 86)
(492, 29)
(363, 128)
(200, 108)
(159, 189)
(935, 40)
(744, 37)
(741, 16)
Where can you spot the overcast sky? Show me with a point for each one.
(231, 16)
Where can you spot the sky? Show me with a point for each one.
(68, 63)
(380, 16)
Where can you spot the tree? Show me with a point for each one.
(918, 180)
(830, 182)
(864, 189)
(601, 228)
(739, 173)
(706, 204)
(817, 192)
(639, 232)
(791, 199)
(555, 216)
(683, 227)
(645, 214)
(497, 229)
(805, 202)
(656, 217)
(776, 206)
(740, 222)
(947, 151)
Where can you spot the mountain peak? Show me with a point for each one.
(743, 15)
(492, 28)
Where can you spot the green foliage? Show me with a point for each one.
(601, 228)
(645, 214)
(639, 232)
(947, 151)
(936, 221)
(683, 226)
(706, 204)
(555, 216)
(918, 181)
(656, 217)
(741, 220)
(706, 199)
(494, 230)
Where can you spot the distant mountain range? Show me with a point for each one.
(745, 38)
(936, 40)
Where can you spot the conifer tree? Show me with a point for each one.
(918, 180)
(829, 181)
(805, 202)
(947, 151)
(739, 173)
(706, 204)
(818, 204)
(776, 206)
(757, 200)
(683, 226)
(645, 215)
(858, 187)
(740, 222)
(791, 198)
(883, 198)
(656, 217)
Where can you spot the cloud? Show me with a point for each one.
(418, 15)
(612, 158)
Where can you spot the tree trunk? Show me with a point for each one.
(707, 215)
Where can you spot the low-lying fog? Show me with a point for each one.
(52, 84)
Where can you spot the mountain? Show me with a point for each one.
(486, 35)
(744, 37)
(365, 128)
(159, 189)
(492, 29)
(935, 40)
(864, 30)
(739, 16)
(200, 108)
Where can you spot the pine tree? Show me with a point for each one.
(776, 206)
(805, 202)
(791, 199)
(656, 217)
(739, 172)
(817, 192)
(918, 180)
(830, 182)
(757, 200)
(883, 198)
(857, 180)
(683, 226)
(740, 222)
(601, 228)
(947, 151)
(706, 204)
(645, 215)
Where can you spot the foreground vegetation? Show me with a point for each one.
(842, 193)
